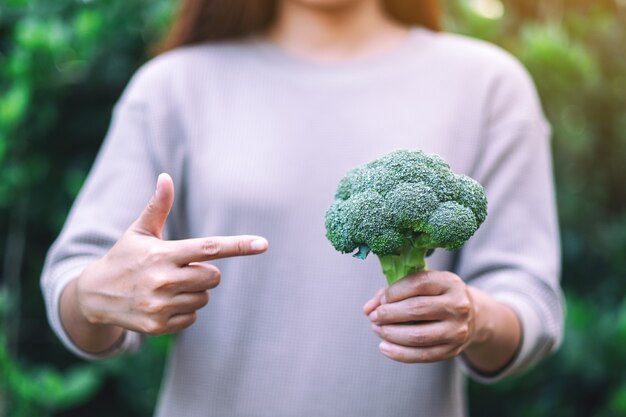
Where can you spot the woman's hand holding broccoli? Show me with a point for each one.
(431, 316)
(426, 317)
(147, 284)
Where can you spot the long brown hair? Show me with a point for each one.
(211, 20)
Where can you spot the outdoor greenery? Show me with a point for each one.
(64, 63)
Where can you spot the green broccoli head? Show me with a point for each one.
(401, 207)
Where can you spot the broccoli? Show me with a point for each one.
(401, 207)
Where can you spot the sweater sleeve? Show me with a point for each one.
(118, 187)
(515, 255)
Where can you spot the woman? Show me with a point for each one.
(256, 111)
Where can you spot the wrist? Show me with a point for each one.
(497, 333)
(86, 299)
(89, 332)
(484, 328)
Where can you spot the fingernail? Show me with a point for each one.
(258, 244)
(158, 184)
(383, 299)
(376, 329)
(373, 315)
(384, 347)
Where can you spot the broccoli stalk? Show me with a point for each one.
(402, 207)
(412, 258)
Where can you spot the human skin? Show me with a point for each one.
(144, 283)
(433, 315)
(454, 318)
(327, 31)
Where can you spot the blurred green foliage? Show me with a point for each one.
(62, 66)
(36, 391)
(64, 63)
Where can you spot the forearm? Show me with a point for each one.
(498, 333)
(90, 337)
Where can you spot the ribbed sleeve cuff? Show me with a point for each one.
(534, 342)
(64, 274)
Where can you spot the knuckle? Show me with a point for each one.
(154, 255)
(152, 204)
(417, 338)
(159, 281)
(462, 333)
(151, 307)
(381, 296)
(242, 247)
(430, 276)
(382, 314)
(210, 247)
(386, 295)
(444, 274)
(154, 328)
(428, 356)
(416, 281)
(463, 309)
(437, 278)
(414, 356)
(451, 277)
(416, 310)
(384, 332)
(151, 207)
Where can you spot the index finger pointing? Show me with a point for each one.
(216, 247)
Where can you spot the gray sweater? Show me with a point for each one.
(256, 141)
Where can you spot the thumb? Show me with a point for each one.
(152, 219)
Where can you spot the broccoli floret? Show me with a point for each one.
(402, 207)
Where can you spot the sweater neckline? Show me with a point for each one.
(389, 59)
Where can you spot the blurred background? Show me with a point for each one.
(64, 63)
